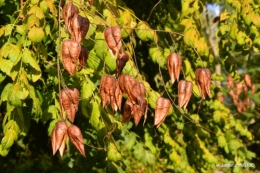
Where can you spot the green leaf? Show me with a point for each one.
(93, 61)
(11, 125)
(36, 35)
(100, 46)
(139, 151)
(21, 29)
(3, 152)
(29, 59)
(153, 96)
(148, 158)
(87, 89)
(113, 153)
(6, 91)
(16, 95)
(110, 62)
(130, 140)
(144, 32)
(50, 112)
(8, 29)
(37, 12)
(9, 138)
(51, 126)
(6, 66)
(95, 115)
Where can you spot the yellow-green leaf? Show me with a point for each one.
(36, 35)
(144, 32)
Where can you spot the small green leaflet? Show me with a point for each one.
(144, 32)
(9, 139)
(113, 153)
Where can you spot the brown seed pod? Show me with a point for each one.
(161, 111)
(70, 55)
(108, 89)
(79, 27)
(127, 111)
(239, 87)
(174, 65)
(90, 2)
(126, 83)
(58, 137)
(69, 98)
(248, 101)
(118, 96)
(184, 93)
(253, 89)
(121, 61)
(234, 96)
(245, 89)
(203, 80)
(137, 112)
(247, 80)
(68, 12)
(113, 39)
(83, 56)
(76, 138)
(230, 82)
(241, 107)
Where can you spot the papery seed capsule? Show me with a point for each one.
(184, 93)
(230, 82)
(69, 10)
(203, 80)
(162, 108)
(69, 98)
(121, 61)
(174, 65)
(58, 137)
(113, 39)
(76, 138)
(247, 80)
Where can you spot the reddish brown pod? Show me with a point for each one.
(230, 82)
(68, 12)
(58, 137)
(126, 83)
(241, 107)
(162, 108)
(174, 65)
(253, 89)
(90, 2)
(76, 138)
(70, 54)
(247, 80)
(121, 61)
(79, 27)
(127, 111)
(69, 98)
(110, 92)
(113, 39)
(83, 56)
(184, 93)
(234, 96)
(239, 87)
(203, 80)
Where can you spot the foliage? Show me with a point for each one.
(195, 139)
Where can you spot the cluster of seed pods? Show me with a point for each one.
(73, 54)
(239, 90)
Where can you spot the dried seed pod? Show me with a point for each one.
(248, 101)
(241, 107)
(161, 111)
(79, 27)
(253, 89)
(70, 55)
(121, 61)
(245, 89)
(76, 138)
(90, 2)
(174, 65)
(58, 137)
(137, 112)
(118, 96)
(203, 80)
(220, 97)
(69, 10)
(113, 39)
(184, 93)
(126, 83)
(108, 87)
(83, 56)
(247, 80)
(127, 111)
(234, 96)
(239, 87)
(230, 82)
(69, 98)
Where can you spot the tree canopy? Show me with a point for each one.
(129, 86)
